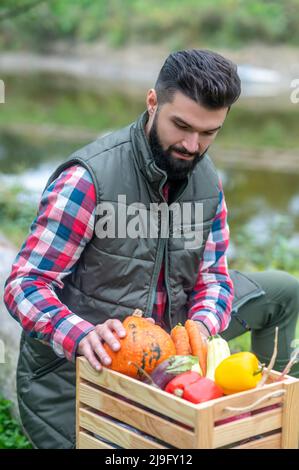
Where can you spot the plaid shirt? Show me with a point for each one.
(63, 227)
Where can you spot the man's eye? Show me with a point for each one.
(210, 133)
(181, 126)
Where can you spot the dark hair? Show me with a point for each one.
(204, 76)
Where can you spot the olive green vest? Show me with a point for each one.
(115, 275)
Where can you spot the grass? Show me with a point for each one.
(11, 435)
(241, 343)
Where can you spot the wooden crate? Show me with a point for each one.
(116, 411)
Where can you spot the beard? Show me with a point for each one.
(175, 168)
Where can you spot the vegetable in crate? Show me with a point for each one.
(218, 350)
(202, 390)
(193, 387)
(198, 344)
(181, 341)
(145, 344)
(238, 372)
(173, 366)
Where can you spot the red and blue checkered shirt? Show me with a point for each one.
(63, 227)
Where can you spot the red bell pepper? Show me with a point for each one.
(194, 388)
(177, 385)
(202, 390)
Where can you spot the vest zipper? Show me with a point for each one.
(162, 248)
(158, 261)
(166, 276)
(157, 267)
(166, 260)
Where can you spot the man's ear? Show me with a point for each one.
(151, 101)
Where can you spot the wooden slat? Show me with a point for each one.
(244, 399)
(247, 427)
(269, 442)
(176, 408)
(114, 433)
(85, 441)
(290, 420)
(205, 427)
(77, 402)
(155, 426)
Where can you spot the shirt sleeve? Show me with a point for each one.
(210, 302)
(60, 232)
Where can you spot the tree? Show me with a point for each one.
(17, 8)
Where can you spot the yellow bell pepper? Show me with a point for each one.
(238, 372)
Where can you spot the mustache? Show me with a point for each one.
(183, 151)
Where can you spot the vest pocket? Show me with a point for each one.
(47, 368)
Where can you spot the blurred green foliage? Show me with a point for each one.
(176, 22)
(272, 251)
(11, 436)
(17, 210)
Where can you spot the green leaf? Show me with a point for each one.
(181, 364)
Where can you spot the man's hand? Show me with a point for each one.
(91, 346)
(203, 330)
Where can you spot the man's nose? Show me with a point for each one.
(191, 143)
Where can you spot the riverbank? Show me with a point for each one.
(134, 68)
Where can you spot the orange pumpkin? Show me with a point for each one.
(145, 344)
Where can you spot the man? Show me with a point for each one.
(70, 286)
